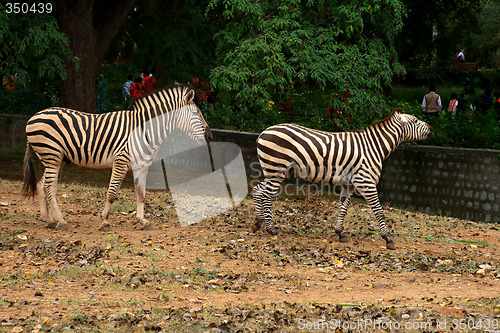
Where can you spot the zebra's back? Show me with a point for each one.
(90, 140)
(316, 156)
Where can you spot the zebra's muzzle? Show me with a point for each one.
(208, 134)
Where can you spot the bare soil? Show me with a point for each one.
(217, 276)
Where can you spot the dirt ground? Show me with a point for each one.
(217, 276)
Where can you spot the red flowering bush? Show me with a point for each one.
(202, 88)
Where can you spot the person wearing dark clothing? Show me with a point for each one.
(465, 106)
(485, 101)
(496, 104)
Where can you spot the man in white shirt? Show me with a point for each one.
(431, 103)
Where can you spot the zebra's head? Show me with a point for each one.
(194, 124)
(414, 129)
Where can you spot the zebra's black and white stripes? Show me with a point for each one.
(352, 159)
(118, 140)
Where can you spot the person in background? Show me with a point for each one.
(485, 101)
(452, 105)
(102, 94)
(126, 88)
(136, 89)
(149, 83)
(431, 104)
(141, 72)
(459, 56)
(463, 102)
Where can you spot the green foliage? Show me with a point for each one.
(485, 41)
(471, 129)
(434, 30)
(115, 76)
(171, 38)
(268, 50)
(32, 43)
(34, 52)
(29, 95)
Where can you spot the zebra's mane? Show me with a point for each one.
(181, 87)
(394, 111)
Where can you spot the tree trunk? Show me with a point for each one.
(91, 27)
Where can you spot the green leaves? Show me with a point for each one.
(33, 57)
(32, 44)
(265, 50)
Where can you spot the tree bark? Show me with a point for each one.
(91, 27)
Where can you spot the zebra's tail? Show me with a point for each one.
(29, 184)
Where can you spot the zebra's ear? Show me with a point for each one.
(189, 97)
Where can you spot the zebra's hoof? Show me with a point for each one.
(146, 226)
(254, 228)
(390, 246)
(343, 239)
(62, 226)
(272, 231)
(51, 225)
(105, 227)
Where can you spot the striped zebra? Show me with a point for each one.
(351, 159)
(119, 140)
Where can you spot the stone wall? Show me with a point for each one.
(463, 183)
(12, 132)
(458, 182)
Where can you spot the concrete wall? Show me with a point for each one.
(12, 132)
(463, 183)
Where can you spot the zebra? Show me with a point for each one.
(110, 140)
(351, 159)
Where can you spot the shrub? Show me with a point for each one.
(469, 130)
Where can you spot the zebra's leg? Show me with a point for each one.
(42, 200)
(50, 187)
(265, 196)
(140, 190)
(257, 200)
(120, 168)
(371, 196)
(345, 200)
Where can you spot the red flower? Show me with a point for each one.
(202, 88)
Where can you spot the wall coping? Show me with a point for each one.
(404, 146)
(452, 150)
(242, 135)
(13, 115)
